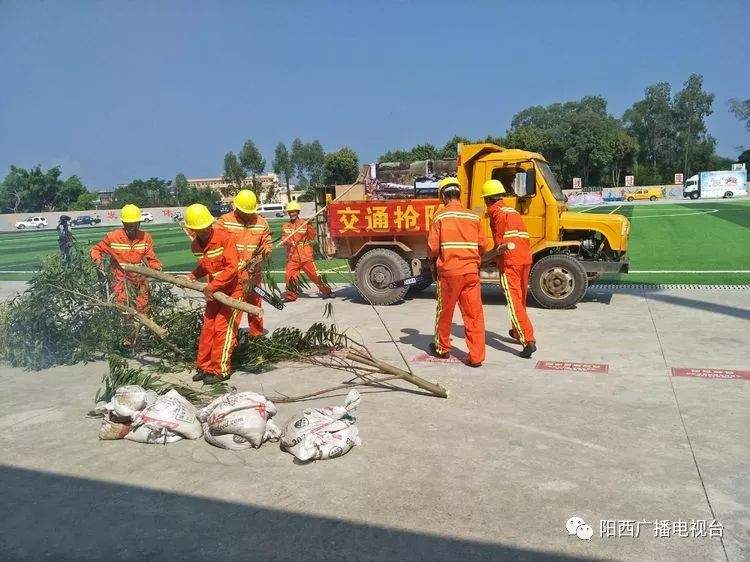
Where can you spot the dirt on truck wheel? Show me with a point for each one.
(375, 270)
(558, 281)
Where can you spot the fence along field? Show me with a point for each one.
(697, 243)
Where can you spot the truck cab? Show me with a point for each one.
(570, 249)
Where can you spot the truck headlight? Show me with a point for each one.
(625, 228)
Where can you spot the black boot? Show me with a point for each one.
(199, 376)
(528, 349)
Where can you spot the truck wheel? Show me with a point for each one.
(558, 281)
(652, 198)
(375, 270)
(694, 195)
(728, 195)
(630, 199)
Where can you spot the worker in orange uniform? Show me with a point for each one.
(218, 262)
(252, 238)
(128, 245)
(298, 237)
(513, 261)
(457, 242)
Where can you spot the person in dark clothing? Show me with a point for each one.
(64, 238)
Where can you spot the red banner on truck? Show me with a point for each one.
(367, 218)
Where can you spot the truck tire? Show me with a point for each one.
(728, 195)
(558, 281)
(375, 270)
(693, 195)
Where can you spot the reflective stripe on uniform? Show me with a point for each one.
(243, 247)
(512, 309)
(214, 253)
(460, 245)
(456, 215)
(515, 234)
(225, 350)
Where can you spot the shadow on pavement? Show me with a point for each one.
(63, 517)
(737, 312)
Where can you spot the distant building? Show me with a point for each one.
(106, 197)
(267, 182)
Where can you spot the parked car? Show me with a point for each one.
(220, 208)
(32, 222)
(650, 193)
(146, 216)
(85, 219)
(271, 210)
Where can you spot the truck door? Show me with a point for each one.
(531, 206)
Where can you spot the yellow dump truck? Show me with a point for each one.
(385, 238)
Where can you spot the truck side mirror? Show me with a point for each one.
(530, 182)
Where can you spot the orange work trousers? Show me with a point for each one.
(136, 284)
(466, 290)
(218, 338)
(515, 282)
(293, 268)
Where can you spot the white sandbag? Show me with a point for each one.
(173, 412)
(234, 401)
(131, 399)
(239, 421)
(323, 433)
(113, 427)
(152, 434)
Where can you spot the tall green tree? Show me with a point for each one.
(153, 192)
(308, 161)
(282, 166)
(651, 121)
(341, 167)
(741, 109)
(234, 174)
(692, 105)
(252, 163)
(297, 157)
(180, 185)
(35, 190)
(85, 202)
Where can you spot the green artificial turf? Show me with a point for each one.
(707, 237)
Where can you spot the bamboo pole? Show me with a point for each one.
(431, 387)
(194, 285)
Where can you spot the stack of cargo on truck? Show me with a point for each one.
(380, 226)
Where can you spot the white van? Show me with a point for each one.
(271, 210)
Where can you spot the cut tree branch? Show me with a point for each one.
(194, 285)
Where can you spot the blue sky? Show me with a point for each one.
(114, 91)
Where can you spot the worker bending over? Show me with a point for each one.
(513, 261)
(457, 242)
(218, 262)
(252, 239)
(298, 237)
(128, 245)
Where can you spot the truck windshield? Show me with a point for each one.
(549, 178)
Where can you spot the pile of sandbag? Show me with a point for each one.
(323, 433)
(143, 416)
(239, 420)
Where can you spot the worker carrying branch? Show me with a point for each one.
(252, 239)
(457, 242)
(128, 245)
(513, 261)
(298, 237)
(218, 261)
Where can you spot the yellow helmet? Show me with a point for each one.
(246, 201)
(198, 217)
(293, 206)
(447, 182)
(492, 187)
(130, 213)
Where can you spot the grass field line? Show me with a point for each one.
(615, 209)
(696, 271)
(704, 212)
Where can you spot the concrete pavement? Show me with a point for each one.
(493, 472)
